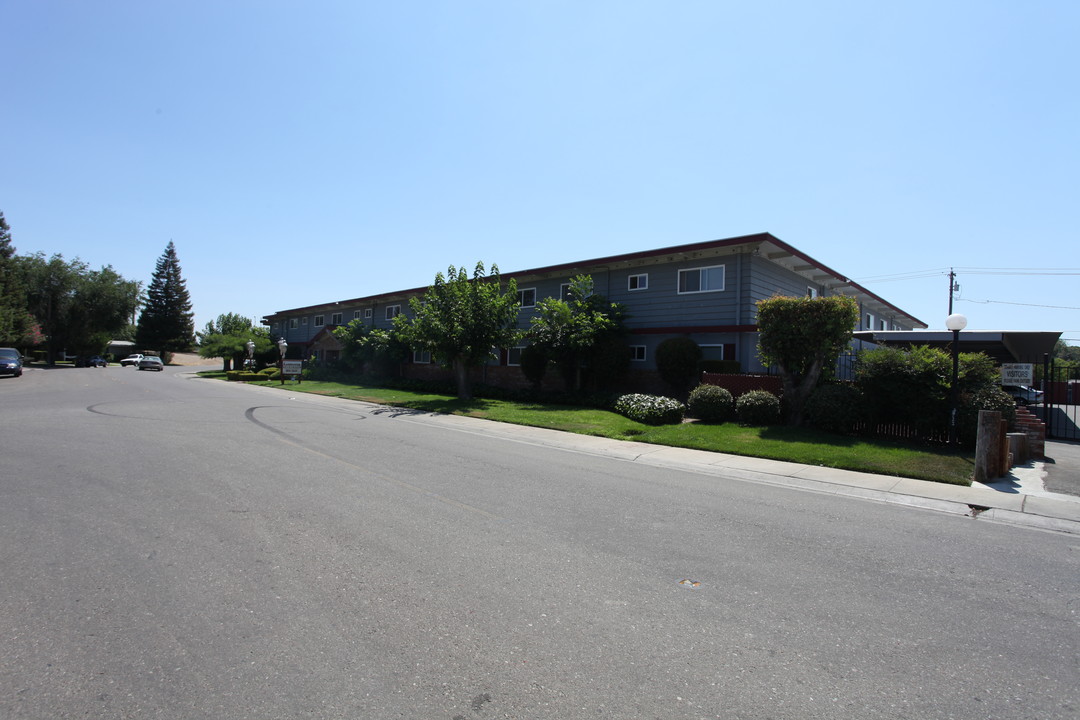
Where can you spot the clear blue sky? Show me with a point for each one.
(305, 152)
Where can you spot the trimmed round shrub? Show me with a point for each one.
(710, 403)
(758, 407)
(833, 408)
(677, 361)
(650, 409)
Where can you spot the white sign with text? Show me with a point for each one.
(1017, 373)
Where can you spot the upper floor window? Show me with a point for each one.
(811, 292)
(275, 328)
(703, 279)
(355, 314)
(564, 292)
(527, 297)
(319, 321)
(869, 321)
(335, 319)
(303, 321)
(293, 322)
(392, 311)
(638, 282)
(367, 313)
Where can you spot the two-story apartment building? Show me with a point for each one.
(707, 291)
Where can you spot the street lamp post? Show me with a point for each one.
(250, 345)
(282, 347)
(955, 322)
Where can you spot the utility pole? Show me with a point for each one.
(953, 287)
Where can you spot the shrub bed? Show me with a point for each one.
(650, 409)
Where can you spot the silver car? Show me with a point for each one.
(151, 362)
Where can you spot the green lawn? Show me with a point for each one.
(778, 443)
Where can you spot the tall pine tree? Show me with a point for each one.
(167, 322)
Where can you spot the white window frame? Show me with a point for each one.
(635, 355)
(811, 292)
(519, 348)
(564, 292)
(335, 318)
(521, 297)
(356, 314)
(641, 284)
(869, 321)
(294, 323)
(320, 320)
(367, 313)
(392, 311)
(421, 357)
(702, 270)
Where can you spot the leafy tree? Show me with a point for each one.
(228, 336)
(79, 310)
(800, 336)
(460, 321)
(374, 349)
(582, 333)
(1064, 355)
(17, 325)
(167, 322)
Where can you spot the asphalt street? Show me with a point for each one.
(176, 547)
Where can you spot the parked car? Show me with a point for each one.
(10, 362)
(151, 362)
(1024, 394)
(132, 360)
(97, 361)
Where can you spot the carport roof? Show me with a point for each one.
(1005, 346)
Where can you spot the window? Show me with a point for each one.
(699, 280)
(319, 321)
(355, 314)
(367, 313)
(513, 355)
(335, 319)
(564, 292)
(421, 356)
(811, 292)
(637, 282)
(869, 321)
(293, 323)
(883, 325)
(527, 297)
(392, 311)
(275, 328)
(637, 353)
(303, 321)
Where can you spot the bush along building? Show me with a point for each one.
(705, 291)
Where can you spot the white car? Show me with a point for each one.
(151, 362)
(132, 360)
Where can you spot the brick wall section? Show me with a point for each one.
(1035, 429)
(741, 384)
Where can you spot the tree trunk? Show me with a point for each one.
(464, 389)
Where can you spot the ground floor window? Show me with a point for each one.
(637, 353)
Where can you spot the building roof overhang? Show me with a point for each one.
(1005, 346)
(764, 245)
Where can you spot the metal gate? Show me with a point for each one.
(1060, 400)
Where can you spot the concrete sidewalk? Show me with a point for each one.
(1019, 499)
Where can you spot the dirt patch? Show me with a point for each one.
(194, 359)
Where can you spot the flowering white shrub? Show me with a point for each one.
(650, 409)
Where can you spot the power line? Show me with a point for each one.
(1004, 302)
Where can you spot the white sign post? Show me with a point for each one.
(1017, 373)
